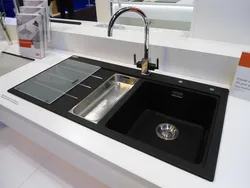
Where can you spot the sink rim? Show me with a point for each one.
(207, 171)
(204, 170)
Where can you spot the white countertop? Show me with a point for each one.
(233, 162)
(3, 45)
(9, 63)
(185, 2)
(159, 37)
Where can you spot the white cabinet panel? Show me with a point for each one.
(56, 173)
(19, 158)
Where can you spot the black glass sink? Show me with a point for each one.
(177, 121)
(192, 113)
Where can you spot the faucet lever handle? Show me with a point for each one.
(157, 63)
(135, 61)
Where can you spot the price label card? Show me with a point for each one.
(241, 83)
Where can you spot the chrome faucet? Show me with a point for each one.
(144, 64)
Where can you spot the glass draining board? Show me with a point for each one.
(51, 84)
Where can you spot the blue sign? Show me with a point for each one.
(7, 6)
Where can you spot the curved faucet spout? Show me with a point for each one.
(146, 23)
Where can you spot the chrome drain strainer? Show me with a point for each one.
(167, 131)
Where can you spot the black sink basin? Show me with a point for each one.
(152, 104)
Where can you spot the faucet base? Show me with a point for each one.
(146, 66)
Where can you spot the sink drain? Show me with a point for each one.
(167, 131)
